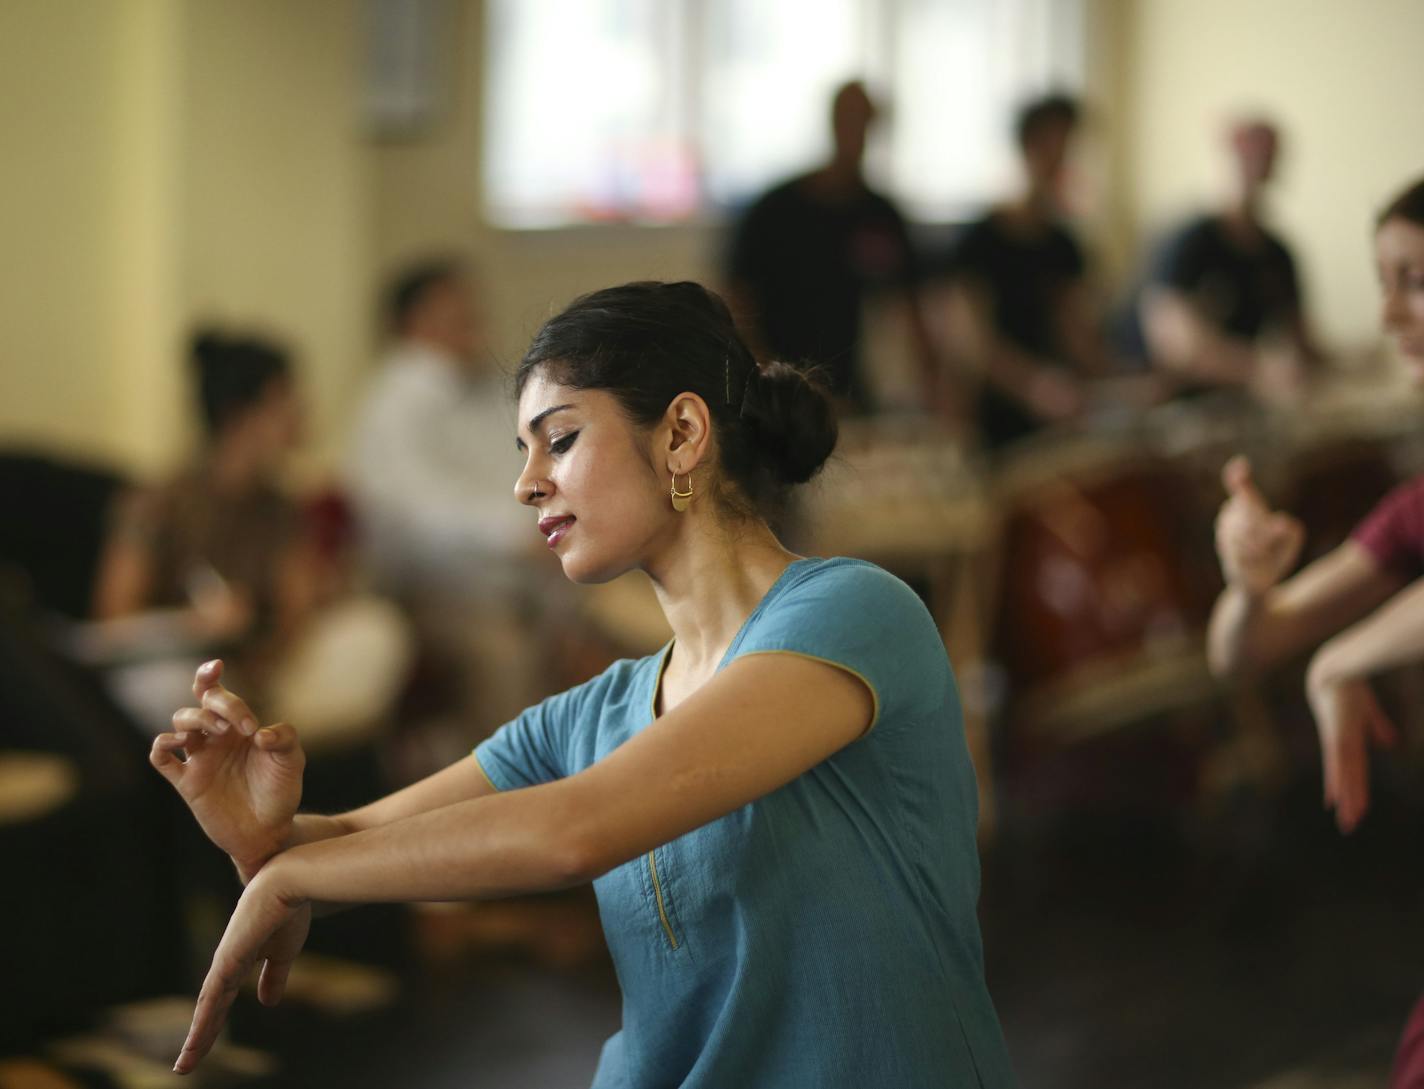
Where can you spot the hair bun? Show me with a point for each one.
(794, 421)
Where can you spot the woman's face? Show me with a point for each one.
(273, 425)
(280, 416)
(1399, 251)
(589, 472)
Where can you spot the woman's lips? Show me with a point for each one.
(554, 529)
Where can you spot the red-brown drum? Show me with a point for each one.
(1106, 581)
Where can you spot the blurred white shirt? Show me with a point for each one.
(431, 474)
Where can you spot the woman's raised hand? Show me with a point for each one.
(1257, 546)
(242, 782)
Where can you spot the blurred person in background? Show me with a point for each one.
(1359, 608)
(429, 461)
(1222, 306)
(1022, 313)
(806, 256)
(777, 810)
(222, 557)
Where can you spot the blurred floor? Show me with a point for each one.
(1125, 949)
(1126, 960)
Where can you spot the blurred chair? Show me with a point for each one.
(57, 510)
(89, 915)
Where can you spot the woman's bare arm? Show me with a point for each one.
(759, 724)
(1260, 620)
(1254, 632)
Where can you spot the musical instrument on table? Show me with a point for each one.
(1108, 566)
(897, 489)
(1105, 583)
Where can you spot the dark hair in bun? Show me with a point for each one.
(645, 343)
(233, 373)
(1408, 206)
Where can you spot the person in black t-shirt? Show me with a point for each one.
(805, 256)
(1223, 287)
(1021, 312)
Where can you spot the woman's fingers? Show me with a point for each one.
(227, 705)
(162, 756)
(1236, 476)
(1354, 781)
(209, 691)
(1329, 771)
(214, 1001)
(272, 983)
(280, 953)
(199, 720)
(280, 739)
(1383, 731)
(257, 918)
(207, 676)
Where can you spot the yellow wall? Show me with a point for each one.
(1345, 81)
(275, 207)
(169, 161)
(59, 77)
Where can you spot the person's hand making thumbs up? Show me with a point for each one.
(1256, 545)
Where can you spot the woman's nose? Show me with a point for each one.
(529, 489)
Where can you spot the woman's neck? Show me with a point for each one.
(709, 580)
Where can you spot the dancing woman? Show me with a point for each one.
(1361, 606)
(777, 811)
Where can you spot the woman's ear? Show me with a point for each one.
(687, 425)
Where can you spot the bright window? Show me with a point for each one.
(657, 110)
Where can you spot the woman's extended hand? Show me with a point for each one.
(1349, 720)
(1256, 545)
(242, 783)
(268, 926)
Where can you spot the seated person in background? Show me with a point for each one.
(1021, 312)
(220, 544)
(221, 557)
(428, 473)
(805, 257)
(1222, 290)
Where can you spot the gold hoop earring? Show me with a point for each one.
(681, 500)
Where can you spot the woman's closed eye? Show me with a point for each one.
(562, 443)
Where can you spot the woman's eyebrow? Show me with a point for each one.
(537, 422)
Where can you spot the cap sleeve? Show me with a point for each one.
(864, 620)
(533, 748)
(1393, 533)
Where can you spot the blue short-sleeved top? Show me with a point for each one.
(824, 935)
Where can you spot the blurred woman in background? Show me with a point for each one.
(217, 556)
(777, 810)
(222, 559)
